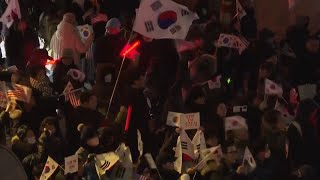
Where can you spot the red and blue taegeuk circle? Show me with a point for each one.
(166, 19)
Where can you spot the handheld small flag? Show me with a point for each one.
(284, 112)
(18, 92)
(140, 143)
(85, 31)
(249, 158)
(124, 170)
(71, 164)
(12, 12)
(106, 161)
(240, 11)
(178, 154)
(76, 75)
(49, 169)
(150, 161)
(187, 147)
(124, 154)
(235, 122)
(174, 119)
(198, 142)
(271, 88)
(69, 95)
(213, 153)
(231, 41)
(215, 83)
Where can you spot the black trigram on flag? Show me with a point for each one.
(156, 5)
(149, 26)
(184, 145)
(120, 172)
(175, 29)
(105, 165)
(198, 147)
(184, 12)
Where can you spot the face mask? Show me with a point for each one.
(31, 140)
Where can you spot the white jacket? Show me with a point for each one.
(68, 36)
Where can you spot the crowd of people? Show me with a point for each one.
(164, 77)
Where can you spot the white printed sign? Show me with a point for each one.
(191, 121)
(185, 121)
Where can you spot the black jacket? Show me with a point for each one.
(107, 49)
(60, 79)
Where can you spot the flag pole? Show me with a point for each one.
(61, 167)
(159, 174)
(117, 80)
(203, 160)
(70, 92)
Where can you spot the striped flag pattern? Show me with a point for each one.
(18, 92)
(70, 95)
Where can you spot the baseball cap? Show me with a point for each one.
(114, 23)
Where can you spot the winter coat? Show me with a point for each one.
(67, 36)
(107, 49)
(60, 75)
(22, 149)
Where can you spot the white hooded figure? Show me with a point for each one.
(68, 36)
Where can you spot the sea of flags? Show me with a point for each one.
(163, 19)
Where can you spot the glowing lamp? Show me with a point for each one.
(128, 118)
(129, 51)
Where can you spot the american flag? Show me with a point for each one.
(70, 95)
(18, 92)
(141, 177)
(99, 18)
(3, 100)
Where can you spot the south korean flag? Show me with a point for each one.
(163, 19)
